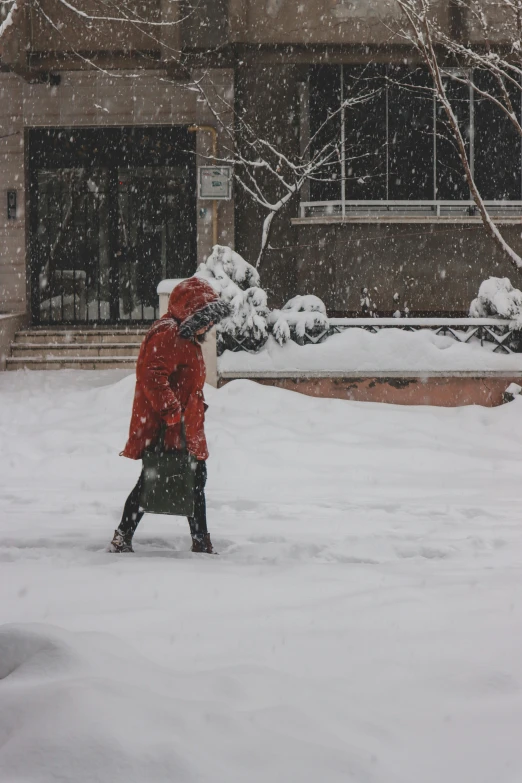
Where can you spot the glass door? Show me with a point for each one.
(151, 245)
(109, 221)
(72, 245)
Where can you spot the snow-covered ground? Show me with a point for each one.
(363, 623)
(389, 350)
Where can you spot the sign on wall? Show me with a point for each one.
(215, 182)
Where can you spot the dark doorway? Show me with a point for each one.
(112, 212)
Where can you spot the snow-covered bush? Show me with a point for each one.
(497, 297)
(248, 327)
(302, 314)
(238, 283)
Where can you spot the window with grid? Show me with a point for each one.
(389, 141)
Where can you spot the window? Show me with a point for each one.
(497, 163)
(391, 143)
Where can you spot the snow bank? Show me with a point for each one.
(362, 622)
(80, 706)
(389, 350)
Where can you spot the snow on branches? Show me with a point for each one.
(249, 326)
(301, 315)
(238, 283)
(497, 297)
(9, 17)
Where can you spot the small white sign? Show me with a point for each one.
(215, 182)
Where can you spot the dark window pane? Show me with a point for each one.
(451, 181)
(410, 134)
(325, 131)
(497, 143)
(365, 132)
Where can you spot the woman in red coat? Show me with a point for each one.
(170, 374)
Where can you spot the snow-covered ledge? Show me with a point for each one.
(418, 367)
(165, 288)
(368, 347)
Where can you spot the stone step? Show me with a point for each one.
(71, 363)
(71, 336)
(74, 350)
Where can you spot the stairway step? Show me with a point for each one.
(67, 337)
(74, 349)
(71, 363)
(94, 330)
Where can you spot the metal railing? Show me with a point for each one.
(512, 209)
(503, 336)
(499, 332)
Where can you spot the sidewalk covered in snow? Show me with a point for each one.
(362, 622)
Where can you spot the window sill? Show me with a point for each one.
(403, 219)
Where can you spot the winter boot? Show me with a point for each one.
(120, 543)
(203, 544)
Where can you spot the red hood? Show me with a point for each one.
(190, 296)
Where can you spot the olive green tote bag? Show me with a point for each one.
(169, 479)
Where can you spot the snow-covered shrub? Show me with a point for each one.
(248, 327)
(226, 265)
(238, 283)
(367, 304)
(497, 297)
(302, 314)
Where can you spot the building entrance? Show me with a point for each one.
(112, 212)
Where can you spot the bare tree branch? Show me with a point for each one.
(424, 33)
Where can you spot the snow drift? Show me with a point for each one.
(361, 624)
(389, 350)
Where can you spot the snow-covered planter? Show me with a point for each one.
(497, 297)
(303, 317)
(238, 283)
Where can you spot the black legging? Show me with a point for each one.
(132, 513)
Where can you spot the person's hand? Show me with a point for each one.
(172, 419)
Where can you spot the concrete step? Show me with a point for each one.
(72, 336)
(74, 350)
(78, 348)
(71, 363)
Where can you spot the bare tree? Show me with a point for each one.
(11, 9)
(261, 168)
(496, 50)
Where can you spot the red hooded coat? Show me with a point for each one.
(170, 373)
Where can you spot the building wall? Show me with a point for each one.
(214, 23)
(320, 22)
(366, 22)
(433, 268)
(94, 98)
(73, 34)
(12, 232)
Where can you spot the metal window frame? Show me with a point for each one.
(435, 205)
